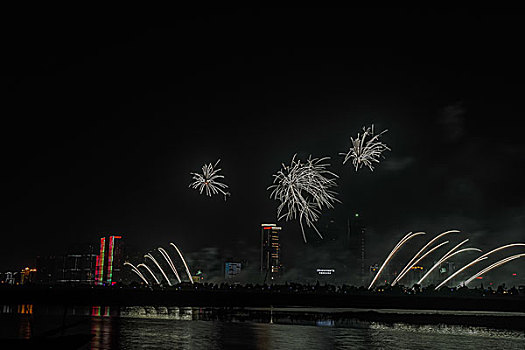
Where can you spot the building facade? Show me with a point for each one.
(271, 266)
(109, 261)
(232, 269)
(356, 240)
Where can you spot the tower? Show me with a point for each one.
(356, 240)
(270, 252)
(109, 260)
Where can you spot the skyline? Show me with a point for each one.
(105, 126)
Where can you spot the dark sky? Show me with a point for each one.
(103, 122)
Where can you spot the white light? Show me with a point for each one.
(303, 190)
(365, 152)
(208, 181)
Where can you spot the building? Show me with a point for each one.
(27, 276)
(76, 268)
(109, 261)
(326, 275)
(232, 269)
(271, 266)
(9, 278)
(46, 269)
(198, 277)
(356, 241)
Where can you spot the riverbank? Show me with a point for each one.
(256, 298)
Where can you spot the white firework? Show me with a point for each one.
(208, 181)
(365, 152)
(303, 190)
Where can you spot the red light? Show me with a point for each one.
(267, 228)
(514, 274)
(479, 278)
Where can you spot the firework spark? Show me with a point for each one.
(365, 152)
(149, 270)
(184, 261)
(170, 262)
(475, 261)
(447, 256)
(403, 240)
(496, 264)
(208, 181)
(303, 190)
(137, 271)
(158, 265)
(408, 266)
(402, 274)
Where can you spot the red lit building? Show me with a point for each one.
(109, 261)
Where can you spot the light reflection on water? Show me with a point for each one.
(170, 327)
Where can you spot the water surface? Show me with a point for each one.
(197, 328)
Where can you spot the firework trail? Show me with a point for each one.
(149, 270)
(403, 240)
(401, 275)
(475, 261)
(303, 190)
(496, 264)
(408, 266)
(170, 262)
(134, 269)
(445, 257)
(184, 261)
(208, 180)
(365, 152)
(158, 265)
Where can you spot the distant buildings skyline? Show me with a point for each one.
(82, 265)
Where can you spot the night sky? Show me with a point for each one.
(103, 122)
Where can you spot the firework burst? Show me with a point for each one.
(208, 181)
(303, 190)
(365, 152)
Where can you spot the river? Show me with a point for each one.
(198, 328)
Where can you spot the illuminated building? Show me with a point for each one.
(198, 277)
(356, 234)
(27, 275)
(270, 252)
(325, 271)
(76, 267)
(416, 274)
(373, 270)
(232, 269)
(9, 278)
(109, 260)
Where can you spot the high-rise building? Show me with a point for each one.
(356, 235)
(109, 260)
(270, 252)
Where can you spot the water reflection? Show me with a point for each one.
(220, 328)
(162, 312)
(106, 333)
